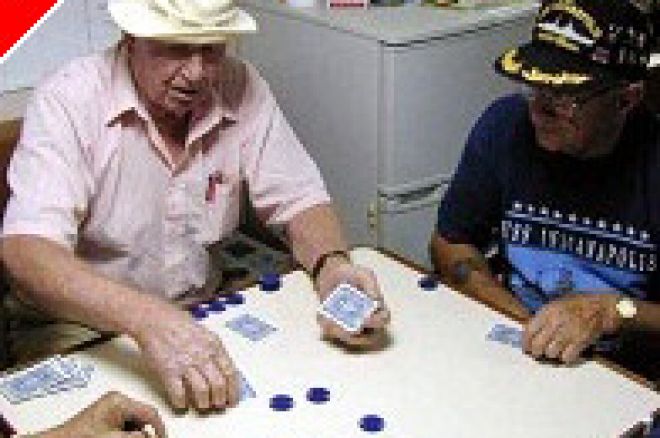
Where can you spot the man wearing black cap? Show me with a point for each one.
(566, 179)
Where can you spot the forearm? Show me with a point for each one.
(481, 284)
(53, 279)
(313, 233)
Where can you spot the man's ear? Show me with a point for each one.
(630, 96)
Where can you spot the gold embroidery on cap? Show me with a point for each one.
(592, 27)
(509, 62)
(511, 65)
(558, 40)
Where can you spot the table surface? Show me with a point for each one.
(438, 377)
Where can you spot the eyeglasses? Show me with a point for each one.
(563, 104)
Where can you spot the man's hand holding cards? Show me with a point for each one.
(347, 307)
(363, 330)
(349, 315)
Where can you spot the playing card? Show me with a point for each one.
(348, 307)
(250, 327)
(245, 389)
(33, 382)
(505, 334)
(78, 374)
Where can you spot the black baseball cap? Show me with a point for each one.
(583, 45)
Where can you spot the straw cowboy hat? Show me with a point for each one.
(185, 21)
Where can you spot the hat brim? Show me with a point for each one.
(137, 19)
(542, 65)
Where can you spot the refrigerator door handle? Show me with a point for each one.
(414, 199)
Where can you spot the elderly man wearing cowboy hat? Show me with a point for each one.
(568, 175)
(129, 166)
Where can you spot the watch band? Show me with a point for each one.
(322, 260)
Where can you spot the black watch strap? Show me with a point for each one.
(321, 261)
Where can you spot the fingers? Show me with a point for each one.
(230, 375)
(533, 327)
(547, 335)
(176, 391)
(559, 332)
(574, 350)
(380, 319)
(118, 434)
(197, 388)
(217, 385)
(368, 337)
(192, 364)
(366, 281)
(123, 410)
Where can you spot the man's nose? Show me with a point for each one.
(195, 67)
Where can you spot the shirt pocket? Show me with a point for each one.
(222, 212)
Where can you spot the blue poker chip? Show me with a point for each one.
(372, 423)
(216, 306)
(234, 299)
(199, 313)
(281, 402)
(318, 395)
(428, 282)
(270, 282)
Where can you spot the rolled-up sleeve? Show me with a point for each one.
(282, 178)
(48, 178)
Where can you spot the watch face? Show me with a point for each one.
(626, 308)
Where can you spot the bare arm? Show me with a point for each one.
(54, 280)
(188, 359)
(314, 232)
(481, 284)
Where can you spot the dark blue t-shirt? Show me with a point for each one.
(563, 225)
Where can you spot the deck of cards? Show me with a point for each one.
(348, 307)
(57, 374)
(505, 334)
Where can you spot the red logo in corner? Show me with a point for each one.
(17, 18)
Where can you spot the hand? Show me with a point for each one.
(107, 417)
(188, 359)
(338, 271)
(564, 328)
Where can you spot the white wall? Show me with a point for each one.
(78, 27)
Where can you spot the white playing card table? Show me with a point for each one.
(439, 377)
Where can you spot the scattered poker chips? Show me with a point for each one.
(281, 402)
(234, 299)
(372, 423)
(270, 282)
(220, 304)
(428, 282)
(318, 395)
(216, 306)
(199, 313)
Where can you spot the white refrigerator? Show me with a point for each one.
(384, 99)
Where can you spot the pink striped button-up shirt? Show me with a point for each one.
(91, 173)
